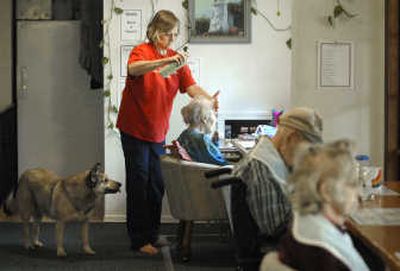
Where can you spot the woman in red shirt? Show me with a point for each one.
(143, 121)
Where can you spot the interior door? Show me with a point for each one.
(60, 119)
(392, 95)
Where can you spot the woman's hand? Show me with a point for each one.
(179, 58)
(141, 67)
(195, 90)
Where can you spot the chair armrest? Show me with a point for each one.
(219, 171)
(223, 181)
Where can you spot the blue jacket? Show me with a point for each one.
(200, 147)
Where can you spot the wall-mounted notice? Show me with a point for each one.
(335, 65)
(124, 56)
(121, 86)
(131, 25)
(194, 65)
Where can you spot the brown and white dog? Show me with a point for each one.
(41, 193)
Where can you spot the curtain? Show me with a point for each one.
(90, 57)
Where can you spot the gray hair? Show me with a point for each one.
(332, 164)
(162, 22)
(199, 113)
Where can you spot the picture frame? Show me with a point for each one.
(219, 21)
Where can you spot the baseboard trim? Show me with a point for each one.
(168, 219)
(112, 218)
(117, 218)
(121, 218)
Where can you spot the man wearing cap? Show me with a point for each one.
(259, 204)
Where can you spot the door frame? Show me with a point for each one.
(392, 97)
(14, 54)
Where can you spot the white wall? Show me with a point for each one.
(356, 114)
(5, 54)
(251, 77)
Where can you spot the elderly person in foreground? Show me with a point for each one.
(199, 115)
(260, 206)
(325, 192)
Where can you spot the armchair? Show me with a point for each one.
(191, 197)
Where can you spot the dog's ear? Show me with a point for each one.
(92, 178)
(96, 168)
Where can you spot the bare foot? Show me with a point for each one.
(88, 250)
(29, 246)
(61, 252)
(38, 243)
(148, 249)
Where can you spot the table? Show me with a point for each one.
(231, 153)
(385, 240)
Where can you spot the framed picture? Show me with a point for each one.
(219, 21)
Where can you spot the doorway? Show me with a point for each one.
(59, 112)
(392, 95)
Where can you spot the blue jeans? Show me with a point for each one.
(144, 189)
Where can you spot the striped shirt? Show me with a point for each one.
(265, 174)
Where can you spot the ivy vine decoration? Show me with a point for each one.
(278, 8)
(185, 4)
(106, 61)
(256, 12)
(339, 11)
(289, 43)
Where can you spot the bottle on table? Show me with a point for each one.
(362, 165)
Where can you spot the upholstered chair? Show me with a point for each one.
(191, 197)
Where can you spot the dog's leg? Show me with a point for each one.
(25, 214)
(85, 238)
(27, 235)
(60, 225)
(36, 231)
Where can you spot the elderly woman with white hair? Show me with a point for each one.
(199, 116)
(325, 192)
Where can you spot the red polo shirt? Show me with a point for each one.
(147, 99)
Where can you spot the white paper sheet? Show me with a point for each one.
(194, 65)
(377, 216)
(121, 86)
(124, 56)
(131, 25)
(335, 65)
(366, 192)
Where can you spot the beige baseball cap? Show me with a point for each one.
(305, 120)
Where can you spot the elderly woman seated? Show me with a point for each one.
(261, 210)
(325, 192)
(200, 118)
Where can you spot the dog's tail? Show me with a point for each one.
(9, 205)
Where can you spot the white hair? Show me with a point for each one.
(199, 114)
(332, 164)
